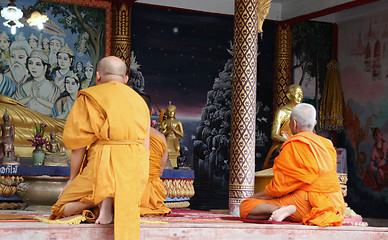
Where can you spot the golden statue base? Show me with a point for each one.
(56, 160)
(172, 157)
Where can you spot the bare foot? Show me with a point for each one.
(106, 211)
(281, 213)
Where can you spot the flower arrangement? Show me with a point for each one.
(38, 137)
(155, 124)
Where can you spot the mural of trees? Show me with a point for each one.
(88, 22)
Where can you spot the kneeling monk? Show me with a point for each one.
(152, 201)
(305, 187)
(113, 121)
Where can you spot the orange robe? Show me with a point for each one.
(152, 202)
(305, 176)
(114, 121)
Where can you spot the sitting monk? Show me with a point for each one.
(280, 126)
(152, 202)
(112, 121)
(305, 187)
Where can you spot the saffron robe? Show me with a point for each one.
(305, 176)
(152, 202)
(113, 120)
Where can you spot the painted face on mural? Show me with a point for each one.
(45, 45)
(64, 61)
(33, 43)
(4, 44)
(79, 67)
(36, 68)
(55, 45)
(89, 72)
(71, 85)
(18, 55)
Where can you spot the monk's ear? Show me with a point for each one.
(126, 79)
(315, 123)
(98, 78)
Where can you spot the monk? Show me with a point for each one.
(152, 202)
(108, 132)
(305, 187)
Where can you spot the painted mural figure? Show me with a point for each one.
(20, 50)
(89, 71)
(38, 93)
(56, 42)
(46, 46)
(33, 41)
(79, 70)
(65, 62)
(5, 42)
(378, 160)
(65, 101)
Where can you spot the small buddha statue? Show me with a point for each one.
(173, 130)
(55, 156)
(280, 127)
(7, 152)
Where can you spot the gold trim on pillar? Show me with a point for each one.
(242, 159)
(263, 10)
(282, 64)
(121, 32)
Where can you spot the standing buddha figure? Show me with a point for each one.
(173, 130)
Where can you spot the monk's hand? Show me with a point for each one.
(67, 184)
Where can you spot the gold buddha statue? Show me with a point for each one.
(173, 130)
(24, 121)
(280, 127)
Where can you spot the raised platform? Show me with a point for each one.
(182, 230)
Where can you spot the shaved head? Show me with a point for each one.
(304, 114)
(111, 69)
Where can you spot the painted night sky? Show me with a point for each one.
(180, 53)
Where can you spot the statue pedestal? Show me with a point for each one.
(179, 187)
(262, 179)
(172, 157)
(56, 160)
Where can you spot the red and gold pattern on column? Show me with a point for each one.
(282, 64)
(121, 30)
(242, 156)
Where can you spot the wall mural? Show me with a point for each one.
(363, 61)
(311, 45)
(45, 69)
(185, 58)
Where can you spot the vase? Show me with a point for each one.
(38, 155)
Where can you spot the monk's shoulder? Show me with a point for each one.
(157, 133)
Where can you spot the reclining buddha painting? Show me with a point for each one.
(50, 51)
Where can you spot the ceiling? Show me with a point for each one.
(288, 10)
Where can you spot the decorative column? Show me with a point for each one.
(243, 123)
(282, 64)
(121, 29)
